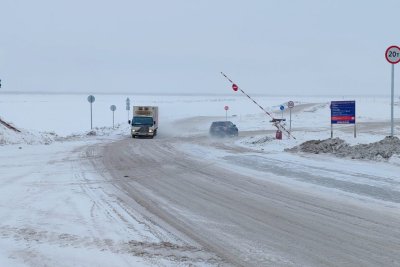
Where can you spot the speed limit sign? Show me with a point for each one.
(393, 54)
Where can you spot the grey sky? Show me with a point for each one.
(268, 47)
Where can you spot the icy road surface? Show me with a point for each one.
(57, 209)
(237, 206)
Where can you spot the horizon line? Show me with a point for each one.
(183, 94)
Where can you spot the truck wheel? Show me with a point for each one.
(133, 136)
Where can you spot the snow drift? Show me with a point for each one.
(383, 149)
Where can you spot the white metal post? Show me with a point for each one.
(91, 120)
(392, 104)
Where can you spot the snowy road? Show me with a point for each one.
(244, 215)
(110, 200)
(57, 209)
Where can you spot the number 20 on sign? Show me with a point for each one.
(393, 54)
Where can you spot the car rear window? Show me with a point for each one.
(221, 123)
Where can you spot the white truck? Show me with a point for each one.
(144, 121)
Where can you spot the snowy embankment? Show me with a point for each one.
(383, 149)
(10, 137)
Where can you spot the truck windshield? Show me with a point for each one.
(142, 121)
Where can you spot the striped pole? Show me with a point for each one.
(275, 122)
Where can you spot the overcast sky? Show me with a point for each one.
(267, 47)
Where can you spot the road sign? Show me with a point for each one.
(113, 108)
(290, 104)
(392, 54)
(343, 112)
(235, 87)
(282, 107)
(226, 112)
(91, 99)
(128, 104)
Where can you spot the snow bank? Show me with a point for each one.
(10, 137)
(383, 149)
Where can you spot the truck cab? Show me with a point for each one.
(144, 121)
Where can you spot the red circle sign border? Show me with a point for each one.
(387, 50)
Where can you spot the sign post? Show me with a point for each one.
(226, 112)
(290, 105)
(128, 106)
(343, 112)
(113, 108)
(392, 55)
(91, 99)
(282, 108)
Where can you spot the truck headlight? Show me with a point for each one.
(150, 130)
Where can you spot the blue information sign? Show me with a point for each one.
(343, 112)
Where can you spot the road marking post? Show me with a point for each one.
(91, 99)
(113, 108)
(290, 106)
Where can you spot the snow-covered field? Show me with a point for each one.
(56, 210)
(70, 114)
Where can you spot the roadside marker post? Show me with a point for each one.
(113, 108)
(290, 105)
(128, 106)
(282, 108)
(91, 99)
(226, 112)
(392, 55)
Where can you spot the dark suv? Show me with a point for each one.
(223, 128)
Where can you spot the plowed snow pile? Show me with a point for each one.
(31, 137)
(383, 149)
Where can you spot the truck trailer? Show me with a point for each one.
(144, 121)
